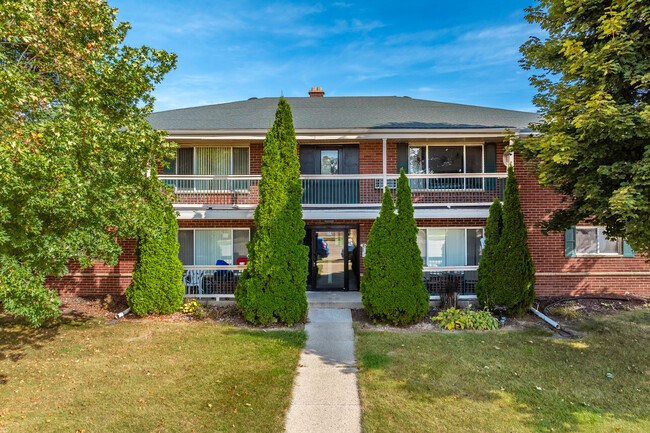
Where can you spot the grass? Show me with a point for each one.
(509, 381)
(145, 376)
(569, 310)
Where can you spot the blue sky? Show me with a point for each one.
(451, 51)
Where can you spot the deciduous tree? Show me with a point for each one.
(75, 144)
(593, 82)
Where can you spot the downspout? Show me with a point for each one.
(547, 319)
(123, 313)
(383, 140)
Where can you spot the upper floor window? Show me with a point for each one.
(461, 158)
(210, 161)
(442, 247)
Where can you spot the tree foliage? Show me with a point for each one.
(157, 286)
(515, 283)
(392, 287)
(272, 288)
(377, 281)
(75, 145)
(593, 85)
(489, 267)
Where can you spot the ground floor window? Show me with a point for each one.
(592, 240)
(209, 247)
(450, 246)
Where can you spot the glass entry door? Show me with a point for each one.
(334, 258)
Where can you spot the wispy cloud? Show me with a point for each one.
(235, 50)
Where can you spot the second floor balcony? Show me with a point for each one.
(344, 190)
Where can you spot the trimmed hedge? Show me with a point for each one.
(392, 287)
(157, 286)
(489, 267)
(506, 274)
(273, 287)
(378, 281)
(517, 271)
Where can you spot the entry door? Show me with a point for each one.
(335, 259)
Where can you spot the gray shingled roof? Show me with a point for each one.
(365, 112)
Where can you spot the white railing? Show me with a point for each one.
(459, 279)
(345, 190)
(210, 281)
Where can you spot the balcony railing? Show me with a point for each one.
(461, 279)
(213, 281)
(354, 190)
(210, 281)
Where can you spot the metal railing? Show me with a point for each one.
(345, 190)
(461, 279)
(208, 281)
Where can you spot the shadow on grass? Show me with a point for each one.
(563, 385)
(16, 333)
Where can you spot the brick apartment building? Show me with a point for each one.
(349, 148)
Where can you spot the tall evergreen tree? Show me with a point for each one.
(411, 299)
(516, 270)
(489, 268)
(377, 283)
(272, 288)
(157, 286)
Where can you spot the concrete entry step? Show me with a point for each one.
(335, 300)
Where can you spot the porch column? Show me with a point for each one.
(383, 140)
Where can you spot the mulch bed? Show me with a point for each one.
(106, 307)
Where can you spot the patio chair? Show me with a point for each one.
(193, 279)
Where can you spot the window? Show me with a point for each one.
(210, 161)
(457, 159)
(329, 162)
(207, 247)
(592, 240)
(445, 159)
(441, 247)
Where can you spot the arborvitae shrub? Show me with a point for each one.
(489, 268)
(273, 286)
(411, 301)
(392, 287)
(516, 287)
(157, 286)
(377, 283)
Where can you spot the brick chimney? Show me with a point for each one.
(316, 92)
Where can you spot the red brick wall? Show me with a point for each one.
(100, 279)
(256, 150)
(560, 275)
(371, 157)
(556, 274)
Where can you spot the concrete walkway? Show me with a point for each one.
(325, 394)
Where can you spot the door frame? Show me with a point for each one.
(313, 268)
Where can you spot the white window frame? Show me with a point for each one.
(232, 161)
(232, 240)
(232, 167)
(465, 229)
(464, 145)
(619, 243)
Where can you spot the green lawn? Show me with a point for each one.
(509, 381)
(145, 376)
